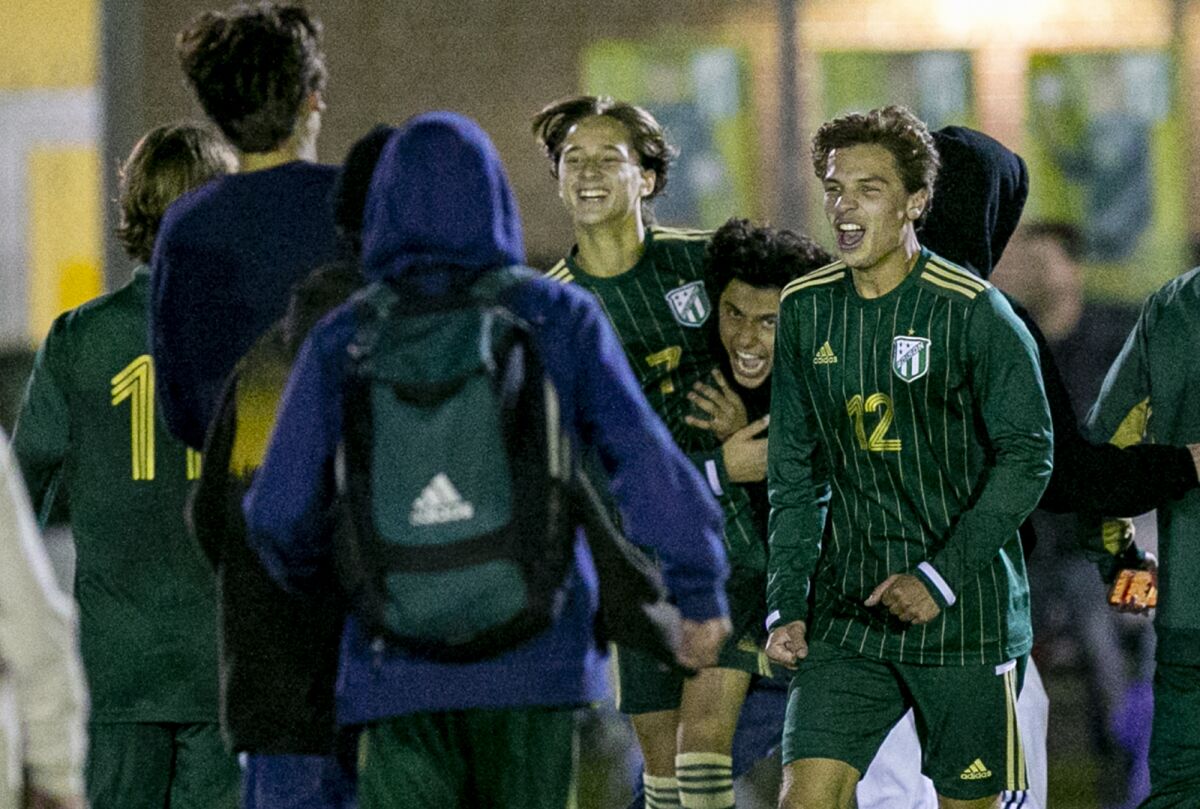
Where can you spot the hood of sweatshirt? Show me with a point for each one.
(977, 199)
(439, 199)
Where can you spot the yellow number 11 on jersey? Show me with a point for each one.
(135, 383)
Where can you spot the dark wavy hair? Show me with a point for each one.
(167, 162)
(252, 67)
(646, 135)
(760, 256)
(353, 183)
(894, 128)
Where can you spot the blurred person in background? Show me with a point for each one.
(42, 697)
(90, 431)
(277, 674)
(229, 254)
(1152, 392)
(1089, 479)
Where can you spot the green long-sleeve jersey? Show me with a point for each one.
(1152, 393)
(664, 317)
(89, 429)
(918, 422)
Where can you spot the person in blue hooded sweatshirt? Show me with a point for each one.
(496, 733)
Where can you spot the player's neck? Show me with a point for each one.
(289, 151)
(890, 271)
(607, 251)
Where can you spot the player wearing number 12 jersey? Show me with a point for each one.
(90, 429)
(907, 403)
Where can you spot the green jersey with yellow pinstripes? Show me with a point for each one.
(663, 316)
(1152, 393)
(918, 421)
(90, 431)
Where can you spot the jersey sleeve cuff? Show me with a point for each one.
(712, 474)
(938, 588)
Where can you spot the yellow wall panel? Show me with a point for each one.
(64, 232)
(49, 44)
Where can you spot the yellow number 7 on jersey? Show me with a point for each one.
(669, 357)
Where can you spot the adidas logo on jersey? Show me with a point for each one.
(440, 503)
(825, 355)
(976, 772)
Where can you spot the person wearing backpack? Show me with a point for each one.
(442, 724)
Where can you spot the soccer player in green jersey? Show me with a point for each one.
(1152, 392)
(907, 404)
(89, 428)
(611, 159)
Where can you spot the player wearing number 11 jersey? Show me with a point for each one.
(90, 429)
(908, 405)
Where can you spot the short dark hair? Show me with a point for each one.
(894, 128)
(167, 162)
(760, 256)
(354, 181)
(316, 295)
(646, 134)
(251, 68)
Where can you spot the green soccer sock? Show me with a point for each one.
(661, 792)
(705, 780)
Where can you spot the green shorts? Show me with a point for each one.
(143, 765)
(1174, 741)
(515, 757)
(841, 706)
(644, 685)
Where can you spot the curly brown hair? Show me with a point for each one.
(252, 67)
(760, 256)
(167, 162)
(646, 134)
(896, 129)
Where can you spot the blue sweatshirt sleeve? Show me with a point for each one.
(292, 491)
(664, 503)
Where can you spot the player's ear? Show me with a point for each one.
(649, 178)
(917, 202)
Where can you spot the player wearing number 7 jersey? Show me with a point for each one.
(611, 158)
(907, 405)
(89, 429)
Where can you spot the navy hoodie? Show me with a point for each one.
(439, 213)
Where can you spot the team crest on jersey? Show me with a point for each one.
(689, 304)
(910, 357)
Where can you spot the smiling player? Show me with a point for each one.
(611, 159)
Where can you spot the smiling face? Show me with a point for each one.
(600, 177)
(865, 201)
(746, 320)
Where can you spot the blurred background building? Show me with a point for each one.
(1099, 96)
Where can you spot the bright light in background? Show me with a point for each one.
(964, 18)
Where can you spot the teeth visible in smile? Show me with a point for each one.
(847, 227)
(595, 194)
(749, 363)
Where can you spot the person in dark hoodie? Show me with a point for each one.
(440, 215)
(1089, 479)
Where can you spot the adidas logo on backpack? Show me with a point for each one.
(440, 503)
